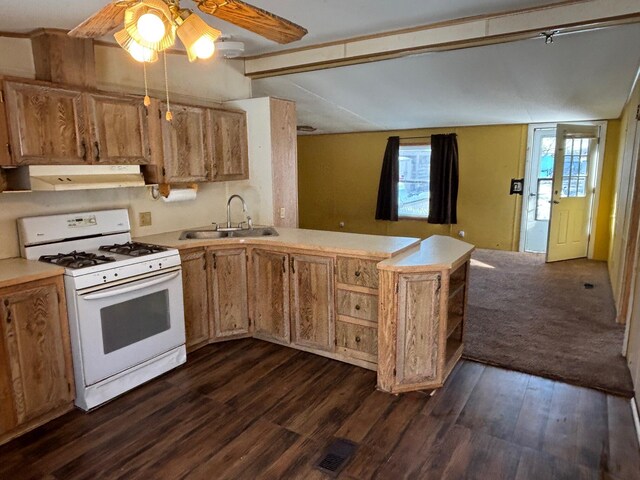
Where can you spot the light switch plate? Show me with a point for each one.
(282, 212)
(144, 219)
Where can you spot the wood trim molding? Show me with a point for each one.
(568, 16)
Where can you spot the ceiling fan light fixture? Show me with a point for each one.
(150, 23)
(151, 27)
(197, 37)
(139, 52)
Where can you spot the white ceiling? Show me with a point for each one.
(581, 76)
(326, 20)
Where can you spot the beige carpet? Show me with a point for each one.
(539, 318)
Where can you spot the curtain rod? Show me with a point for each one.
(413, 138)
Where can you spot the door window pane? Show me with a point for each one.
(575, 169)
(129, 322)
(543, 201)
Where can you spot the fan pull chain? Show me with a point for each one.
(147, 100)
(169, 115)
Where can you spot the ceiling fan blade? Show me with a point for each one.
(253, 19)
(101, 23)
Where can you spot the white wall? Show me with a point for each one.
(259, 130)
(208, 83)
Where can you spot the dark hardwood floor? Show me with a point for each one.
(249, 409)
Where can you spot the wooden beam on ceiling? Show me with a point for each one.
(564, 17)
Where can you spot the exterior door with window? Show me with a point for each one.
(574, 172)
(538, 196)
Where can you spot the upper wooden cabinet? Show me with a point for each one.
(230, 147)
(228, 294)
(36, 377)
(184, 141)
(313, 301)
(46, 124)
(118, 130)
(270, 283)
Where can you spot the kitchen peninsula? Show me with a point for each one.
(394, 305)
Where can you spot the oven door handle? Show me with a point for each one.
(131, 288)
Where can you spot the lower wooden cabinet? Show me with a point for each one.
(228, 295)
(36, 373)
(312, 301)
(270, 283)
(214, 283)
(418, 328)
(422, 319)
(195, 291)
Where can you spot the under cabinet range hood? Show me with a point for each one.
(83, 177)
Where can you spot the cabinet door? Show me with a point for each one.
(196, 308)
(185, 144)
(419, 327)
(230, 148)
(46, 124)
(312, 296)
(228, 292)
(119, 132)
(36, 343)
(271, 295)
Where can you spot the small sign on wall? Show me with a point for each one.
(517, 186)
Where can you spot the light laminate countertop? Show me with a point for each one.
(319, 240)
(14, 271)
(435, 253)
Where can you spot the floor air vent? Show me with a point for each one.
(336, 456)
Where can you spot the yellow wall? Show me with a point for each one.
(602, 232)
(338, 182)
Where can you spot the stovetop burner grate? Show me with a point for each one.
(76, 259)
(133, 249)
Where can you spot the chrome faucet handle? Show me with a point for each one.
(215, 225)
(249, 222)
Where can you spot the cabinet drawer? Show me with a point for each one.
(358, 305)
(357, 271)
(357, 337)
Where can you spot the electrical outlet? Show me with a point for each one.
(282, 212)
(144, 219)
(461, 233)
(341, 224)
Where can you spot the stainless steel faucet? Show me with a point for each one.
(244, 210)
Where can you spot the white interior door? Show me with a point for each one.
(573, 188)
(539, 188)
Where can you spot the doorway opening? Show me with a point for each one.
(561, 189)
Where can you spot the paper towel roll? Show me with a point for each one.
(180, 195)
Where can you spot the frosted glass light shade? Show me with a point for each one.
(151, 27)
(139, 52)
(139, 22)
(197, 37)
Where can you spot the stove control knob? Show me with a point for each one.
(115, 274)
(160, 265)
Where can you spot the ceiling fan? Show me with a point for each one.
(150, 26)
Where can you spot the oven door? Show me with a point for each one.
(124, 325)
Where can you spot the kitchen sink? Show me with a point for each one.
(214, 234)
(254, 232)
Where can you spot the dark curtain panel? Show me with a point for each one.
(387, 208)
(443, 182)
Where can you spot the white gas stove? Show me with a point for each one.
(124, 299)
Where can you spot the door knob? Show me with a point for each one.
(556, 202)
(533, 194)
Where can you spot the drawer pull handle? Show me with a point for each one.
(357, 339)
(357, 307)
(357, 273)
